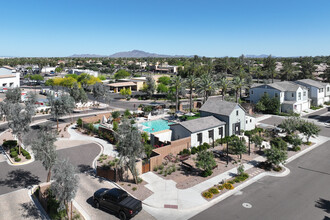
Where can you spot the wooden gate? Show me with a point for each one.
(146, 167)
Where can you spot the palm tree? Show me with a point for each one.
(270, 67)
(177, 84)
(191, 83)
(257, 72)
(223, 84)
(238, 83)
(206, 86)
(288, 71)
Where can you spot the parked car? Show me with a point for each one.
(118, 201)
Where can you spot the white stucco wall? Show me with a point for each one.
(250, 123)
(205, 136)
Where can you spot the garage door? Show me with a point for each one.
(305, 106)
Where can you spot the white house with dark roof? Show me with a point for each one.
(201, 130)
(293, 97)
(232, 113)
(318, 91)
(9, 77)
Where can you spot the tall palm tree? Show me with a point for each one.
(223, 84)
(288, 71)
(206, 85)
(191, 82)
(238, 83)
(177, 84)
(270, 67)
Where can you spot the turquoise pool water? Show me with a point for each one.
(156, 125)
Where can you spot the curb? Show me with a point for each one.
(81, 210)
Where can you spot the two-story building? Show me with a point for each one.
(293, 97)
(9, 77)
(317, 91)
(232, 113)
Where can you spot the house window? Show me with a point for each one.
(251, 92)
(246, 121)
(221, 132)
(292, 94)
(321, 90)
(276, 95)
(304, 93)
(200, 138)
(4, 84)
(250, 120)
(11, 84)
(236, 112)
(328, 89)
(211, 134)
(299, 95)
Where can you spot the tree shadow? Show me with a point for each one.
(83, 168)
(323, 204)
(326, 218)
(20, 178)
(30, 211)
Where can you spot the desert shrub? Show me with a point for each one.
(155, 168)
(13, 154)
(296, 149)
(161, 167)
(194, 150)
(28, 156)
(231, 181)
(134, 188)
(206, 145)
(214, 190)
(220, 187)
(207, 173)
(24, 152)
(207, 195)
(228, 186)
(186, 152)
(277, 169)
(288, 139)
(17, 159)
(139, 180)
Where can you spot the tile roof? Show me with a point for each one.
(218, 106)
(120, 84)
(201, 124)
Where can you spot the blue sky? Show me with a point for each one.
(183, 27)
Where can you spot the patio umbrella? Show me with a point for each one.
(104, 120)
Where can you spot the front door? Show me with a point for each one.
(237, 128)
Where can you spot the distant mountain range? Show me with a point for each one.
(129, 54)
(257, 56)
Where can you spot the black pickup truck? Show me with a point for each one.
(118, 201)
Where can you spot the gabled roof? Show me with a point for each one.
(217, 106)
(201, 124)
(311, 82)
(284, 86)
(9, 67)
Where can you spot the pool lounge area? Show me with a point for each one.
(156, 125)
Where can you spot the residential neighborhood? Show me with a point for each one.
(144, 135)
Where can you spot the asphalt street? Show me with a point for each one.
(13, 178)
(302, 195)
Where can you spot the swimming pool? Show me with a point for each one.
(156, 125)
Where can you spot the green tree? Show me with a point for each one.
(275, 156)
(60, 106)
(127, 92)
(257, 140)
(309, 129)
(307, 68)
(288, 71)
(290, 125)
(44, 149)
(268, 105)
(223, 84)
(237, 83)
(164, 80)
(65, 184)
(150, 87)
(206, 86)
(58, 70)
(237, 146)
(98, 91)
(177, 85)
(122, 74)
(205, 160)
(270, 67)
(191, 83)
(279, 143)
(115, 114)
(129, 146)
(162, 88)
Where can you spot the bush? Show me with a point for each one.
(288, 139)
(296, 149)
(207, 173)
(206, 145)
(28, 156)
(134, 188)
(186, 152)
(207, 195)
(228, 186)
(231, 181)
(161, 167)
(220, 187)
(139, 180)
(13, 154)
(155, 169)
(24, 152)
(79, 122)
(194, 150)
(277, 169)
(17, 159)
(214, 190)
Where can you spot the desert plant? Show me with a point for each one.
(207, 195)
(214, 190)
